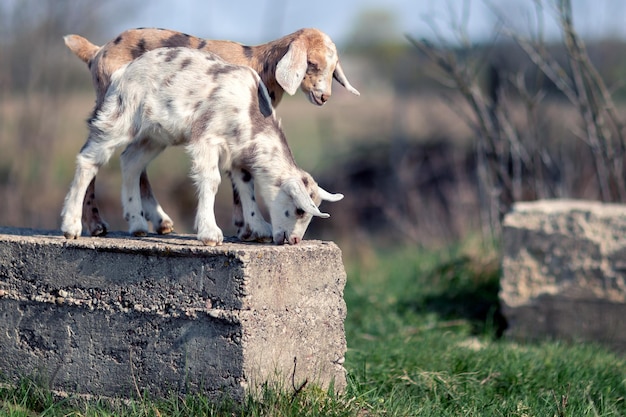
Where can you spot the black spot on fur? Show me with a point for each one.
(179, 39)
(246, 176)
(130, 199)
(247, 51)
(202, 44)
(94, 210)
(239, 223)
(273, 96)
(171, 54)
(252, 214)
(286, 213)
(139, 49)
(118, 40)
(236, 198)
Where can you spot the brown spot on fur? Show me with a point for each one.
(202, 44)
(139, 49)
(186, 62)
(219, 70)
(201, 124)
(247, 51)
(305, 181)
(248, 155)
(178, 39)
(171, 54)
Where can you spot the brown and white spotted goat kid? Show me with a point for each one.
(306, 58)
(223, 116)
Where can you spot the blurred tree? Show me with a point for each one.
(32, 49)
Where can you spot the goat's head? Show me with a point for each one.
(294, 207)
(311, 62)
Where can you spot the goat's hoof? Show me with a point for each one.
(99, 230)
(70, 235)
(140, 233)
(165, 228)
(212, 243)
(264, 239)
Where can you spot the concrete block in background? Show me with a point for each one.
(564, 271)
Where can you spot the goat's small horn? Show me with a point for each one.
(341, 77)
(326, 196)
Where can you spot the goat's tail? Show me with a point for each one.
(81, 47)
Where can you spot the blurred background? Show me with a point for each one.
(465, 108)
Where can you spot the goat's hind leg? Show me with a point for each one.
(87, 166)
(252, 226)
(153, 211)
(91, 214)
(137, 210)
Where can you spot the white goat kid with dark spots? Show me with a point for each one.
(223, 116)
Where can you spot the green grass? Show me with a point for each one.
(423, 332)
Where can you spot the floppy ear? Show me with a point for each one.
(296, 190)
(291, 68)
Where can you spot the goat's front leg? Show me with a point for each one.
(133, 162)
(206, 175)
(91, 214)
(253, 226)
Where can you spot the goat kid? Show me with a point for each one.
(223, 116)
(307, 58)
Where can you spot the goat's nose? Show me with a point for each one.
(325, 97)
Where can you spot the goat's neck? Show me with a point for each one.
(272, 169)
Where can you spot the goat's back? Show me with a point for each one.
(174, 95)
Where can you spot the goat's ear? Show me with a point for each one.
(291, 68)
(296, 190)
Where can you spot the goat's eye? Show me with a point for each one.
(299, 212)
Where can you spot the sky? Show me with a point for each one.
(257, 21)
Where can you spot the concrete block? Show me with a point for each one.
(564, 271)
(118, 315)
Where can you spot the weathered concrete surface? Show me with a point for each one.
(564, 271)
(116, 315)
